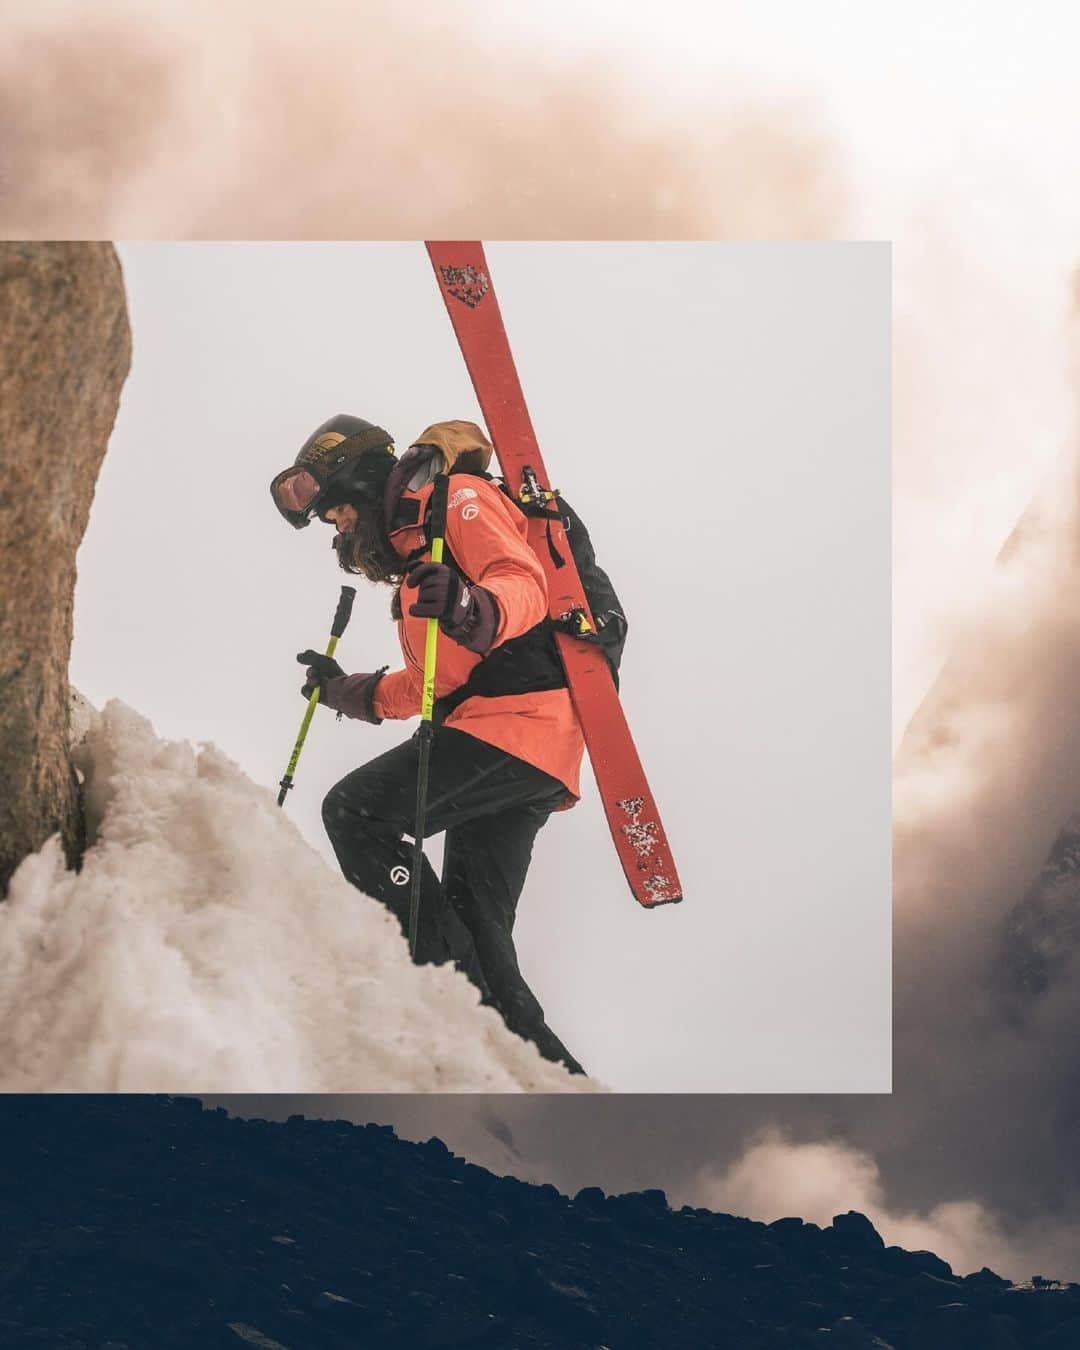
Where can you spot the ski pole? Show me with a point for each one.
(341, 619)
(427, 728)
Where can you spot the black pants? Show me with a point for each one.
(491, 805)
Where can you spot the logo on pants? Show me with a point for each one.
(399, 875)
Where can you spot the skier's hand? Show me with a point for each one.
(468, 614)
(348, 695)
(439, 590)
(320, 668)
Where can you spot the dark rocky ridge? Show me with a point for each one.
(147, 1223)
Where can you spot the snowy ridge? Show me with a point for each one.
(205, 946)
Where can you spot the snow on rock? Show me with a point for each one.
(206, 947)
(82, 716)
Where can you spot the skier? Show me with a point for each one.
(508, 746)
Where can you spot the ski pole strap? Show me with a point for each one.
(438, 512)
(438, 535)
(341, 619)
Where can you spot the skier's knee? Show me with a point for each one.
(334, 811)
(345, 815)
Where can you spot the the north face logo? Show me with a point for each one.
(321, 447)
(467, 284)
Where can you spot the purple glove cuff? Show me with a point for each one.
(474, 620)
(354, 695)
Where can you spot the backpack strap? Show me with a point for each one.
(522, 665)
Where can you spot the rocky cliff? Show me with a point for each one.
(65, 348)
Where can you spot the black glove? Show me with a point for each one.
(468, 614)
(320, 668)
(347, 695)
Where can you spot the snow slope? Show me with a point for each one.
(205, 946)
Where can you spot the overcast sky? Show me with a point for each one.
(719, 416)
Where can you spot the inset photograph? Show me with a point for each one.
(445, 667)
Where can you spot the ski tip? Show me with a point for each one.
(655, 888)
(644, 852)
(655, 902)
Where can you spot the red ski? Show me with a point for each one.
(642, 845)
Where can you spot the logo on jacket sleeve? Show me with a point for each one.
(461, 495)
(467, 284)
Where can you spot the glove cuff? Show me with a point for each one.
(474, 619)
(354, 696)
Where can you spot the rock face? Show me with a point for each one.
(65, 348)
(145, 1223)
(1042, 932)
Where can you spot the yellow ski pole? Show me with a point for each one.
(341, 619)
(427, 728)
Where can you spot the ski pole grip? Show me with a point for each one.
(344, 610)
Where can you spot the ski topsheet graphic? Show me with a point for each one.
(642, 845)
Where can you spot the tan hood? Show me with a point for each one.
(463, 444)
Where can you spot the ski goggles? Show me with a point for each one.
(296, 493)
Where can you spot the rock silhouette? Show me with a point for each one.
(150, 1222)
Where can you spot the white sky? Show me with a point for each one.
(719, 416)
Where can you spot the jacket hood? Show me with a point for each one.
(440, 448)
(463, 445)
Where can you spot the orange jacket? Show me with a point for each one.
(487, 538)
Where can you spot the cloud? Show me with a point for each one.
(382, 122)
(776, 1177)
(80, 114)
(981, 406)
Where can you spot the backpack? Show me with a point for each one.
(607, 612)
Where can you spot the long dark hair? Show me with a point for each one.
(366, 550)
